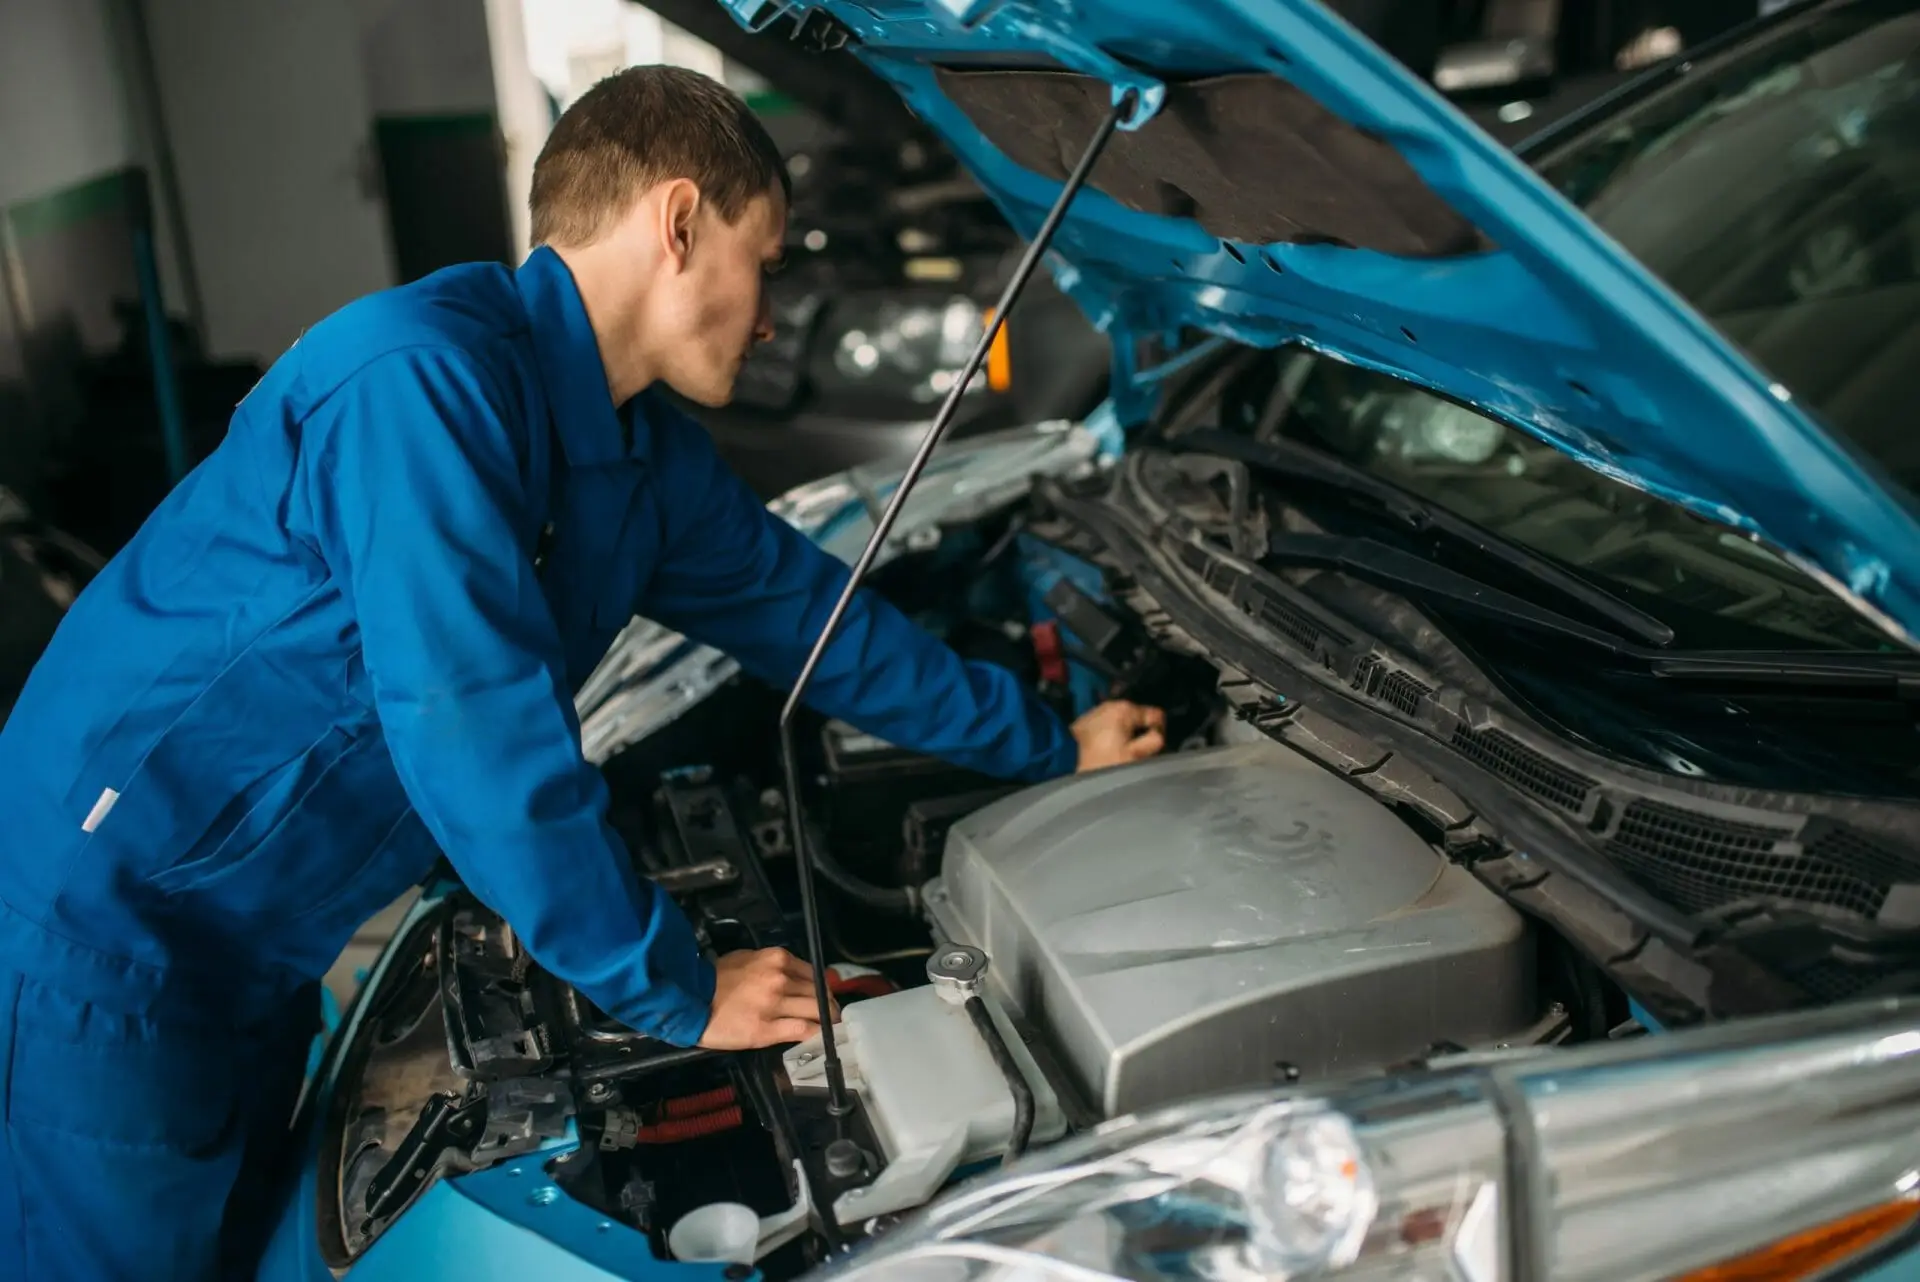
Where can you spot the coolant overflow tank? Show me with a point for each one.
(936, 1098)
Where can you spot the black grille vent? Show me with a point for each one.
(1700, 863)
(1863, 856)
(1829, 981)
(1403, 692)
(1194, 557)
(1373, 678)
(1291, 623)
(1518, 764)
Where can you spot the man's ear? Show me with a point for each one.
(679, 207)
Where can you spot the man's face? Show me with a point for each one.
(715, 307)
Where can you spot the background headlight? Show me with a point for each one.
(915, 348)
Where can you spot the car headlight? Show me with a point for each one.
(1774, 1149)
(915, 348)
(1237, 1189)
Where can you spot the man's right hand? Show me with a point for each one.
(1118, 732)
(761, 998)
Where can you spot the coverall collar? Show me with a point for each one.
(591, 431)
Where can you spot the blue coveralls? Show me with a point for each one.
(327, 658)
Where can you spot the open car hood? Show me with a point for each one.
(1289, 182)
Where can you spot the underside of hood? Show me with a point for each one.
(1282, 179)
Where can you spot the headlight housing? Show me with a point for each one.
(904, 347)
(1776, 1149)
(1238, 1189)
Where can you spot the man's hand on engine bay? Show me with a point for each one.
(761, 998)
(1118, 732)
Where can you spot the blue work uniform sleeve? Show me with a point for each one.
(424, 507)
(738, 578)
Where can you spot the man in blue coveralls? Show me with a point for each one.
(349, 641)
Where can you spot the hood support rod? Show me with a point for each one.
(802, 859)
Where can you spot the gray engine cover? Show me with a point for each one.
(1188, 924)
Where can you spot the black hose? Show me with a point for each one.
(1016, 1080)
(901, 901)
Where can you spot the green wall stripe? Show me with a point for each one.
(38, 215)
(771, 102)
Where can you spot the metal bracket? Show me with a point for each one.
(1049, 23)
(820, 32)
(757, 15)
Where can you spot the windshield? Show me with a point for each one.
(1715, 588)
(1777, 188)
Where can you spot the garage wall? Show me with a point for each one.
(526, 115)
(269, 114)
(62, 119)
(430, 84)
(65, 255)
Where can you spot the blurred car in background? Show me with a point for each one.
(894, 258)
(1518, 66)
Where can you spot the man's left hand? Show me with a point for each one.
(1118, 732)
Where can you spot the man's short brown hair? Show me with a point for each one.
(642, 127)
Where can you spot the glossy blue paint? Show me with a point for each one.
(1904, 1269)
(1558, 331)
(507, 1224)
(512, 1224)
(1107, 428)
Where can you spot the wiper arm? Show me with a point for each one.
(1301, 463)
(1415, 576)
(1855, 672)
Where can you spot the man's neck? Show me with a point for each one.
(617, 328)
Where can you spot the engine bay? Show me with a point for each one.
(1012, 964)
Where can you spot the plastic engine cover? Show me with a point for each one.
(1218, 918)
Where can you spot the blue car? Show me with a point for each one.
(1526, 553)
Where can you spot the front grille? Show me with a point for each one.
(1506, 756)
(1701, 864)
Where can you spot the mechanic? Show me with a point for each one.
(347, 643)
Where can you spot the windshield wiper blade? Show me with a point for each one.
(1304, 464)
(1415, 576)
(1893, 672)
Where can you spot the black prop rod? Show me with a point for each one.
(802, 858)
